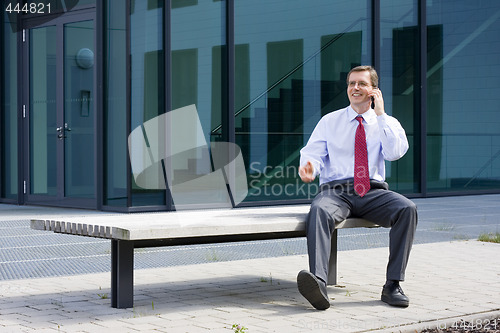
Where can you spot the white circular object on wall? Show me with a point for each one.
(85, 58)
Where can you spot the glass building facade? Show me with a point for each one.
(76, 81)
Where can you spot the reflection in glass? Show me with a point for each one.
(398, 76)
(463, 128)
(115, 105)
(147, 97)
(198, 60)
(8, 111)
(291, 69)
(43, 112)
(79, 115)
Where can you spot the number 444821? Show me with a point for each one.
(31, 8)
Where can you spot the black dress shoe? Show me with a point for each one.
(313, 289)
(393, 295)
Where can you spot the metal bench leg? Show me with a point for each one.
(332, 263)
(122, 274)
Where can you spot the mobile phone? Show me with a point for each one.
(373, 103)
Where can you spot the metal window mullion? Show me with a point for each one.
(2, 92)
(23, 122)
(167, 46)
(99, 104)
(230, 79)
(128, 120)
(376, 34)
(422, 18)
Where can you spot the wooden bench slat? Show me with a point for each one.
(185, 224)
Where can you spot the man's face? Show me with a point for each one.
(359, 87)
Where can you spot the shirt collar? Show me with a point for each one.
(368, 116)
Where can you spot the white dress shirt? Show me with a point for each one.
(330, 148)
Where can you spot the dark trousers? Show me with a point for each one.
(338, 201)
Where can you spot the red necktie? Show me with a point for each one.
(361, 171)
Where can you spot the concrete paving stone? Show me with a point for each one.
(51, 316)
(22, 310)
(111, 326)
(278, 324)
(175, 316)
(186, 324)
(97, 328)
(83, 328)
(99, 311)
(207, 322)
(144, 327)
(141, 315)
(103, 319)
(43, 306)
(243, 318)
(81, 306)
(196, 303)
(44, 330)
(23, 328)
(9, 307)
(348, 324)
(222, 330)
(450, 313)
(414, 313)
(473, 309)
(13, 319)
(247, 321)
(177, 330)
(41, 324)
(68, 321)
(229, 309)
(264, 311)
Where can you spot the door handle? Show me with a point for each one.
(61, 131)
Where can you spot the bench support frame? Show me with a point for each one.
(122, 274)
(122, 268)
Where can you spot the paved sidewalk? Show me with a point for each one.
(445, 282)
(59, 283)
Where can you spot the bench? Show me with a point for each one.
(140, 230)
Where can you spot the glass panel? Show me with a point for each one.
(292, 60)
(198, 60)
(463, 128)
(398, 75)
(43, 111)
(8, 110)
(79, 114)
(115, 105)
(147, 96)
(198, 77)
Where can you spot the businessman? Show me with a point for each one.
(347, 149)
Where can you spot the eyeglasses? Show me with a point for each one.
(361, 84)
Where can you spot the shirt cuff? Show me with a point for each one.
(382, 118)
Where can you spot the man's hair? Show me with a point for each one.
(370, 69)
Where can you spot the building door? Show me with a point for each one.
(60, 120)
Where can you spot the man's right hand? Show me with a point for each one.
(306, 172)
